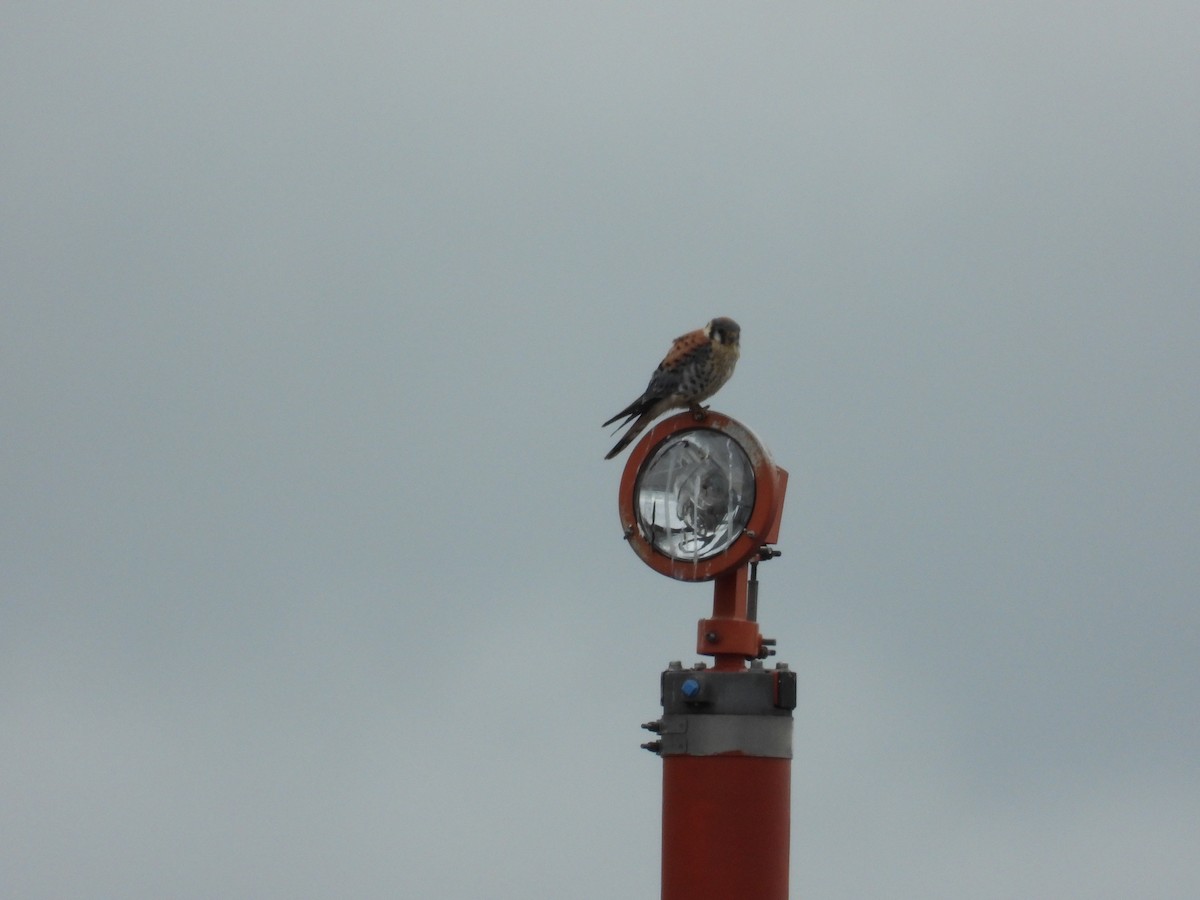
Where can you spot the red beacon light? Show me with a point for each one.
(700, 500)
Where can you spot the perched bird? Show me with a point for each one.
(694, 369)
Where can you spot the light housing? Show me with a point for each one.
(700, 496)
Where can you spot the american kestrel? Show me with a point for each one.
(694, 369)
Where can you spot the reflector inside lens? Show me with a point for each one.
(695, 495)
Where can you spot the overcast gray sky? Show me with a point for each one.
(313, 583)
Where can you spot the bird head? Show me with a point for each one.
(724, 331)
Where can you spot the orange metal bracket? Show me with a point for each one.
(730, 636)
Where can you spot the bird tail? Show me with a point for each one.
(627, 413)
(634, 430)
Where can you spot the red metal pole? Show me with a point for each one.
(726, 747)
(726, 827)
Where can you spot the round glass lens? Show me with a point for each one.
(695, 495)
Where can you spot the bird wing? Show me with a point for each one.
(685, 345)
(669, 375)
